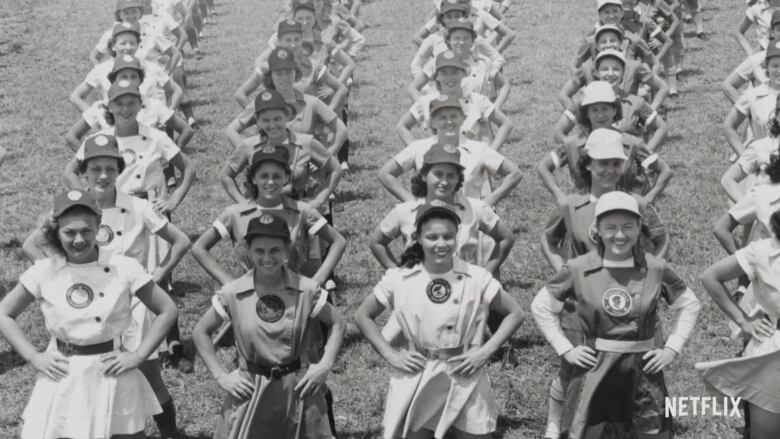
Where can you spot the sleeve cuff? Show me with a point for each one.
(321, 301)
(221, 229)
(651, 118)
(561, 345)
(675, 343)
(219, 308)
(652, 158)
(569, 115)
(316, 227)
(555, 159)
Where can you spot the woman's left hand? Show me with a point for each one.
(313, 380)
(658, 359)
(470, 362)
(163, 207)
(117, 363)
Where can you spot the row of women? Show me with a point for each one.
(105, 252)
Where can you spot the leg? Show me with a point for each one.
(555, 409)
(763, 424)
(166, 421)
(343, 154)
(185, 105)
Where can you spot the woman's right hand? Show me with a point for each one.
(759, 328)
(407, 361)
(581, 356)
(51, 363)
(235, 384)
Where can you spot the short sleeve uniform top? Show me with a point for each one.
(125, 228)
(477, 109)
(757, 104)
(153, 85)
(760, 260)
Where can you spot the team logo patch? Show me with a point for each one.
(777, 45)
(291, 22)
(266, 219)
(438, 290)
(124, 83)
(270, 308)
(129, 156)
(437, 203)
(282, 54)
(101, 140)
(266, 96)
(74, 195)
(127, 58)
(449, 55)
(450, 149)
(593, 233)
(126, 25)
(617, 302)
(104, 235)
(268, 149)
(79, 296)
(443, 98)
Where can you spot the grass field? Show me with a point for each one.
(44, 45)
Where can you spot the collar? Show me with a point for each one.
(246, 283)
(458, 266)
(609, 263)
(60, 261)
(774, 247)
(581, 200)
(761, 90)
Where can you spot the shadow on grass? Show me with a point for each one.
(506, 423)
(183, 288)
(358, 167)
(200, 102)
(347, 195)
(10, 360)
(360, 434)
(690, 71)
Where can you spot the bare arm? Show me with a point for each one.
(733, 120)
(78, 95)
(200, 251)
(730, 182)
(731, 85)
(388, 176)
(251, 84)
(180, 245)
(505, 125)
(512, 176)
(722, 231)
(404, 128)
(504, 240)
(379, 244)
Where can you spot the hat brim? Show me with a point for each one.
(619, 209)
(124, 93)
(62, 211)
(444, 162)
(443, 107)
(437, 209)
(249, 236)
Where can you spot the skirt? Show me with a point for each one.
(87, 404)
(752, 377)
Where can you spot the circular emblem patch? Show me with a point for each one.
(266, 219)
(282, 54)
(104, 235)
(74, 195)
(128, 58)
(443, 98)
(291, 22)
(79, 296)
(449, 55)
(266, 96)
(101, 140)
(270, 308)
(124, 83)
(437, 203)
(438, 290)
(617, 302)
(126, 25)
(129, 156)
(593, 233)
(268, 149)
(450, 149)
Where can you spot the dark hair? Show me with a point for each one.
(116, 13)
(120, 164)
(773, 170)
(774, 127)
(49, 228)
(774, 222)
(582, 168)
(112, 41)
(582, 114)
(109, 117)
(141, 74)
(414, 254)
(268, 83)
(250, 189)
(419, 186)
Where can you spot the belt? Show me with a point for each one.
(69, 349)
(440, 354)
(625, 346)
(275, 372)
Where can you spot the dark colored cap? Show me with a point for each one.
(263, 153)
(444, 101)
(281, 59)
(453, 5)
(124, 4)
(125, 62)
(303, 4)
(775, 18)
(608, 28)
(449, 59)
(123, 27)
(267, 225)
(435, 206)
(272, 100)
(101, 145)
(772, 50)
(73, 198)
(462, 24)
(442, 153)
(121, 88)
(287, 26)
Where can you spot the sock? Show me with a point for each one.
(166, 421)
(697, 21)
(555, 411)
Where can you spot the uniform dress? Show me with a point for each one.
(755, 158)
(760, 14)
(86, 304)
(753, 376)
(273, 328)
(752, 69)
(616, 307)
(152, 44)
(435, 44)
(447, 319)
(476, 107)
(757, 104)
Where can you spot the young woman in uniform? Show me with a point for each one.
(480, 113)
(438, 381)
(485, 76)
(752, 70)
(441, 178)
(488, 26)
(277, 391)
(600, 109)
(756, 366)
(615, 362)
(126, 226)
(87, 385)
(758, 14)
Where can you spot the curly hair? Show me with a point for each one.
(112, 42)
(250, 189)
(49, 227)
(774, 222)
(420, 187)
(109, 116)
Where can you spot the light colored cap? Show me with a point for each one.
(605, 144)
(611, 53)
(616, 200)
(598, 91)
(602, 3)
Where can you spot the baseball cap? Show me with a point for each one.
(614, 201)
(435, 206)
(773, 49)
(287, 26)
(449, 59)
(444, 101)
(279, 154)
(608, 28)
(598, 91)
(604, 144)
(272, 100)
(101, 145)
(267, 225)
(124, 4)
(75, 197)
(126, 27)
(303, 4)
(775, 19)
(453, 5)
(125, 62)
(601, 3)
(121, 88)
(611, 53)
(281, 59)
(442, 153)
(463, 24)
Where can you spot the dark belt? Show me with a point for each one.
(69, 349)
(440, 354)
(275, 372)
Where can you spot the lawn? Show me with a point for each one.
(44, 47)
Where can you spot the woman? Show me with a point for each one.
(755, 369)
(440, 179)
(154, 113)
(646, 173)
(311, 116)
(756, 104)
(277, 389)
(615, 364)
(480, 113)
(87, 386)
(758, 14)
(485, 78)
(751, 70)
(439, 382)
(272, 115)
